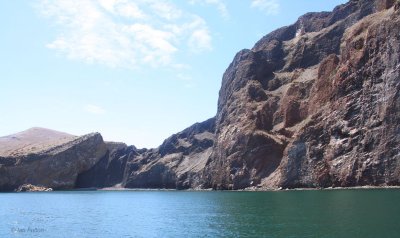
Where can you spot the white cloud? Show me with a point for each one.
(130, 10)
(219, 4)
(200, 39)
(124, 33)
(123, 8)
(270, 7)
(188, 80)
(93, 109)
(166, 10)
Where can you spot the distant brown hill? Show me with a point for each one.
(33, 140)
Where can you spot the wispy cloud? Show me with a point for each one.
(94, 109)
(270, 7)
(200, 38)
(219, 4)
(188, 80)
(124, 33)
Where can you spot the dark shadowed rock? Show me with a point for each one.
(177, 163)
(109, 171)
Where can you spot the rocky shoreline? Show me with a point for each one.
(252, 189)
(32, 188)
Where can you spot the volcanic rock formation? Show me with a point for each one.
(314, 104)
(178, 163)
(47, 158)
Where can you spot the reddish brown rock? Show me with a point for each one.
(314, 104)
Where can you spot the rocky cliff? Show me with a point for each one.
(313, 104)
(109, 171)
(41, 157)
(177, 164)
(56, 163)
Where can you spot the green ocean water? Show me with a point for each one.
(333, 213)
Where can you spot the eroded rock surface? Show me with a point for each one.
(177, 164)
(314, 104)
(109, 171)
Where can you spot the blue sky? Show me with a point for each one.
(136, 71)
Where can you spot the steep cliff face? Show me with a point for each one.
(353, 135)
(54, 166)
(177, 164)
(314, 104)
(109, 171)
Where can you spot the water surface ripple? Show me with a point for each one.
(331, 213)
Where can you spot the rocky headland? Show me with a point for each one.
(312, 105)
